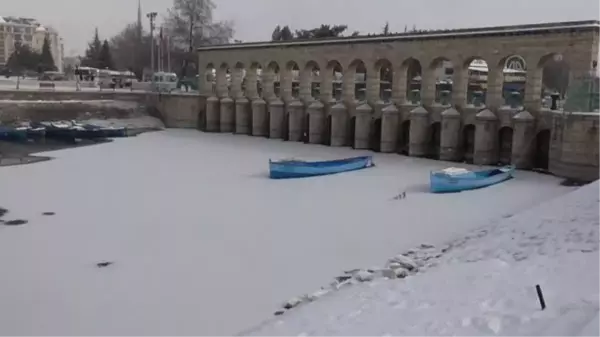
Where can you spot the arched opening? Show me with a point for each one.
(210, 78)
(314, 79)
(505, 138)
(514, 77)
(435, 139)
(285, 126)
(542, 150)
(555, 80)
(404, 138)
(327, 131)
(476, 72)
(413, 70)
(294, 71)
(273, 69)
(358, 69)
(351, 136)
(375, 135)
(306, 128)
(468, 143)
(386, 78)
(334, 78)
(443, 70)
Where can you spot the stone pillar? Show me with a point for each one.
(212, 114)
(494, 99)
(459, 86)
(268, 82)
(362, 129)
(486, 137)
(306, 85)
(276, 119)
(227, 115)
(450, 137)
(533, 90)
(389, 128)
(523, 140)
(222, 84)
(236, 82)
(252, 83)
(428, 87)
(296, 120)
(259, 117)
(419, 132)
(243, 124)
(348, 83)
(316, 125)
(399, 85)
(373, 87)
(339, 118)
(286, 84)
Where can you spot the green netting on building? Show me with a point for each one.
(584, 95)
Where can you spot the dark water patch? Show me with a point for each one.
(104, 264)
(48, 213)
(574, 182)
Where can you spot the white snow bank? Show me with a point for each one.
(484, 284)
(140, 122)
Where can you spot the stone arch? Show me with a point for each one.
(292, 83)
(474, 75)
(333, 80)
(542, 150)
(513, 74)
(273, 73)
(468, 142)
(210, 76)
(358, 70)
(404, 139)
(435, 140)
(505, 139)
(313, 78)
(375, 134)
(439, 80)
(385, 72)
(553, 72)
(413, 70)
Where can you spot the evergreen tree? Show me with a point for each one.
(23, 58)
(386, 29)
(105, 58)
(46, 61)
(92, 53)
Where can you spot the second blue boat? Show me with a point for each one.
(284, 169)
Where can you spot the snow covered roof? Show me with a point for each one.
(2, 20)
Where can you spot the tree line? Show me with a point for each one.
(25, 59)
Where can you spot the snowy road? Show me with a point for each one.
(202, 242)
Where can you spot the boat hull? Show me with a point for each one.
(444, 183)
(299, 169)
(12, 134)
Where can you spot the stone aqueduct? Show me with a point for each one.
(255, 94)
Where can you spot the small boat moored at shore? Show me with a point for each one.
(12, 134)
(291, 168)
(458, 179)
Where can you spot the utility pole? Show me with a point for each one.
(152, 17)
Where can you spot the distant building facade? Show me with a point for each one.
(32, 33)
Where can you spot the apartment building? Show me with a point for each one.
(31, 32)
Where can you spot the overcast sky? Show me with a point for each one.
(255, 19)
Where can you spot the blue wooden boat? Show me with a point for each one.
(13, 134)
(283, 169)
(456, 179)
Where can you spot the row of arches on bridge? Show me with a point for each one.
(383, 81)
(504, 138)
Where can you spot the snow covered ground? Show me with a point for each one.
(203, 243)
(483, 285)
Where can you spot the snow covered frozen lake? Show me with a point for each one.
(202, 241)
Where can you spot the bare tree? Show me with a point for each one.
(190, 24)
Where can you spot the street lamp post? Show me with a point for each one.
(152, 17)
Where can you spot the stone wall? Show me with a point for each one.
(574, 151)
